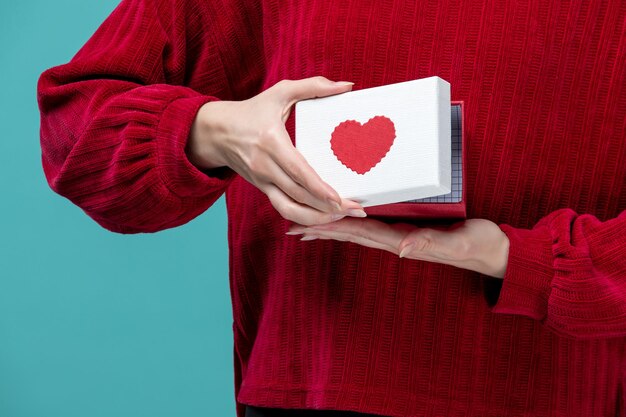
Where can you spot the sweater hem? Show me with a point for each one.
(388, 403)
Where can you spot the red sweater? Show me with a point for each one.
(333, 325)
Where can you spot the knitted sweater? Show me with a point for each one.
(333, 325)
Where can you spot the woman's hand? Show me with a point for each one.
(249, 136)
(476, 244)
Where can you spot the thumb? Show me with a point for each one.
(319, 86)
(422, 240)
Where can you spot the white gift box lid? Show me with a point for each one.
(380, 145)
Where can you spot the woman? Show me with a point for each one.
(519, 311)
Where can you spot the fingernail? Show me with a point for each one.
(293, 233)
(357, 213)
(344, 83)
(408, 248)
(309, 237)
(336, 217)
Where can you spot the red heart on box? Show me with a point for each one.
(360, 147)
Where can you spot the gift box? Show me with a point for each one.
(397, 148)
(445, 207)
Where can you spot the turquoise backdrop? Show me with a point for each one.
(94, 323)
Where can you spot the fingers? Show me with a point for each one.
(294, 211)
(292, 91)
(368, 232)
(403, 239)
(347, 237)
(282, 165)
(298, 169)
(370, 229)
(298, 192)
(417, 249)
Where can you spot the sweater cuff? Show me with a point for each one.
(179, 175)
(525, 287)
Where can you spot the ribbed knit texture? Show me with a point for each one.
(333, 325)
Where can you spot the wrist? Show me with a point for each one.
(201, 148)
(497, 260)
(489, 250)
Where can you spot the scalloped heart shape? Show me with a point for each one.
(360, 147)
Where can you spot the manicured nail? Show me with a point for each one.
(294, 233)
(309, 237)
(357, 213)
(408, 248)
(344, 83)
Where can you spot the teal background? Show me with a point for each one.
(94, 323)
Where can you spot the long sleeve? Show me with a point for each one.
(569, 272)
(115, 119)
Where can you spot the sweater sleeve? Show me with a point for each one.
(569, 272)
(115, 119)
